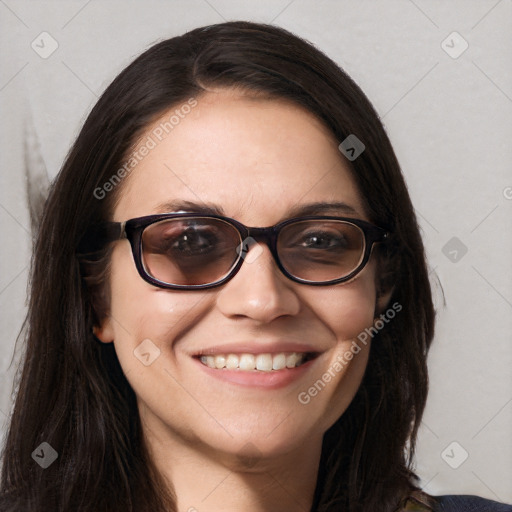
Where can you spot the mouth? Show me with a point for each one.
(268, 364)
(265, 363)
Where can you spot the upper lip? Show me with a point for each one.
(258, 347)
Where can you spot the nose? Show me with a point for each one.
(259, 290)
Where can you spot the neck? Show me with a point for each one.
(206, 480)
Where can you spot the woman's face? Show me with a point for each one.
(256, 160)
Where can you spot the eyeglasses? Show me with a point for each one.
(185, 251)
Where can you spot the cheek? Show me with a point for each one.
(142, 313)
(346, 309)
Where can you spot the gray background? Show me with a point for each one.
(450, 120)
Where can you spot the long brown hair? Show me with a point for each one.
(72, 392)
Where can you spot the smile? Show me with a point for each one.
(257, 362)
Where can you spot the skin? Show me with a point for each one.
(254, 449)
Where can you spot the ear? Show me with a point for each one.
(385, 278)
(105, 331)
(382, 300)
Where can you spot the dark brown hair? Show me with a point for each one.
(72, 392)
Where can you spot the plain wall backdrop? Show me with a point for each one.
(438, 73)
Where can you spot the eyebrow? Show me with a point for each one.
(316, 208)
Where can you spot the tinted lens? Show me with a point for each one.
(321, 250)
(189, 251)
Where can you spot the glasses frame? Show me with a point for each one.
(132, 230)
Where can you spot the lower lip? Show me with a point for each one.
(274, 379)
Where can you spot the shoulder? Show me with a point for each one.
(464, 503)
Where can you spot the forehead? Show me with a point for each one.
(257, 159)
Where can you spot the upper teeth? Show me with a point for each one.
(262, 362)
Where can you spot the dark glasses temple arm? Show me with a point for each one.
(99, 235)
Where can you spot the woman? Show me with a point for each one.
(230, 304)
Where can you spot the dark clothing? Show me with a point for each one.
(453, 503)
(422, 502)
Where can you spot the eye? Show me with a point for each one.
(324, 240)
(177, 239)
(190, 241)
